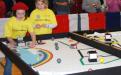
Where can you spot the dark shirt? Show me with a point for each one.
(9, 4)
(60, 7)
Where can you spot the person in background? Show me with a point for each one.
(103, 5)
(61, 6)
(9, 4)
(2, 9)
(16, 27)
(113, 5)
(91, 6)
(50, 6)
(76, 7)
(31, 4)
(43, 19)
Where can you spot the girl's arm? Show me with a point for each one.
(33, 37)
(12, 43)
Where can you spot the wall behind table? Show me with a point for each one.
(97, 21)
(2, 24)
(66, 23)
(113, 20)
(88, 21)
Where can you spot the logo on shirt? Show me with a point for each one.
(37, 16)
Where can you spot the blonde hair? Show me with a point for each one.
(44, 1)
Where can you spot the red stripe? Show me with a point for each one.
(97, 21)
(63, 24)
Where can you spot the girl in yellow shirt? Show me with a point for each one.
(43, 18)
(17, 26)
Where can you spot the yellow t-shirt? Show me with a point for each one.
(15, 28)
(43, 17)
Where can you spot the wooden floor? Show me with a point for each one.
(15, 70)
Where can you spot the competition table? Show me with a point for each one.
(99, 35)
(57, 56)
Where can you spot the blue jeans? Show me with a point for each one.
(8, 67)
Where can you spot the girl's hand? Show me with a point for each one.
(37, 26)
(32, 45)
(12, 45)
(64, 3)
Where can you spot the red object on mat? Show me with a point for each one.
(28, 34)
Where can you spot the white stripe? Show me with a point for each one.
(73, 22)
(2, 24)
(84, 21)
